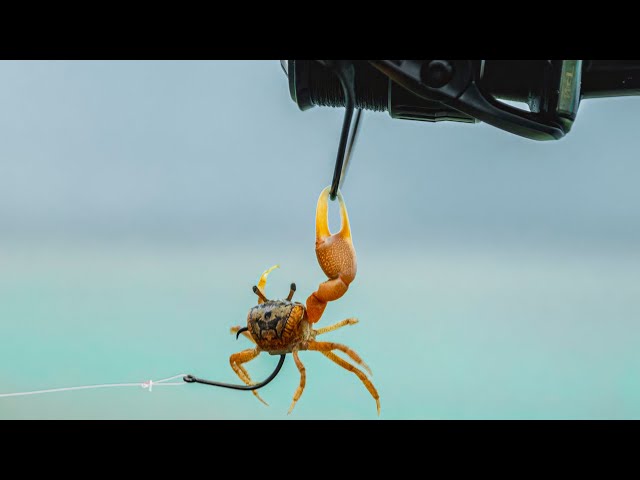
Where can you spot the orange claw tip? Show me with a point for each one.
(263, 278)
(322, 217)
(335, 253)
(268, 271)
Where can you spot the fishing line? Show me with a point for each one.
(165, 382)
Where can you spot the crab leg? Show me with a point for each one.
(303, 379)
(336, 256)
(237, 359)
(363, 378)
(329, 346)
(335, 326)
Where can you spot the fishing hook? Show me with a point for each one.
(193, 379)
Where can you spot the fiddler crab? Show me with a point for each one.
(285, 326)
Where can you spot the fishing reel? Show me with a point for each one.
(468, 91)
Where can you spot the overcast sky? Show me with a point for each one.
(213, 151)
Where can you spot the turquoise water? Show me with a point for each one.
(448, 334)
(140, 202)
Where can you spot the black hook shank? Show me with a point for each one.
(192, 379)
(243, 329)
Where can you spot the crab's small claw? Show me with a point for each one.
(259, 289)
(336, 257)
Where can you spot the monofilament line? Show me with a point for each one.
(165, 382)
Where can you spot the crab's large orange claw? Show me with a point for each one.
(336, 257)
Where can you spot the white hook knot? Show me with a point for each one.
(148, 385)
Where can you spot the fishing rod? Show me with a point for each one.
(466, 91)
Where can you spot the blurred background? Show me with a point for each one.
(141, 200)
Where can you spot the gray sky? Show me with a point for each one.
(215, 151)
